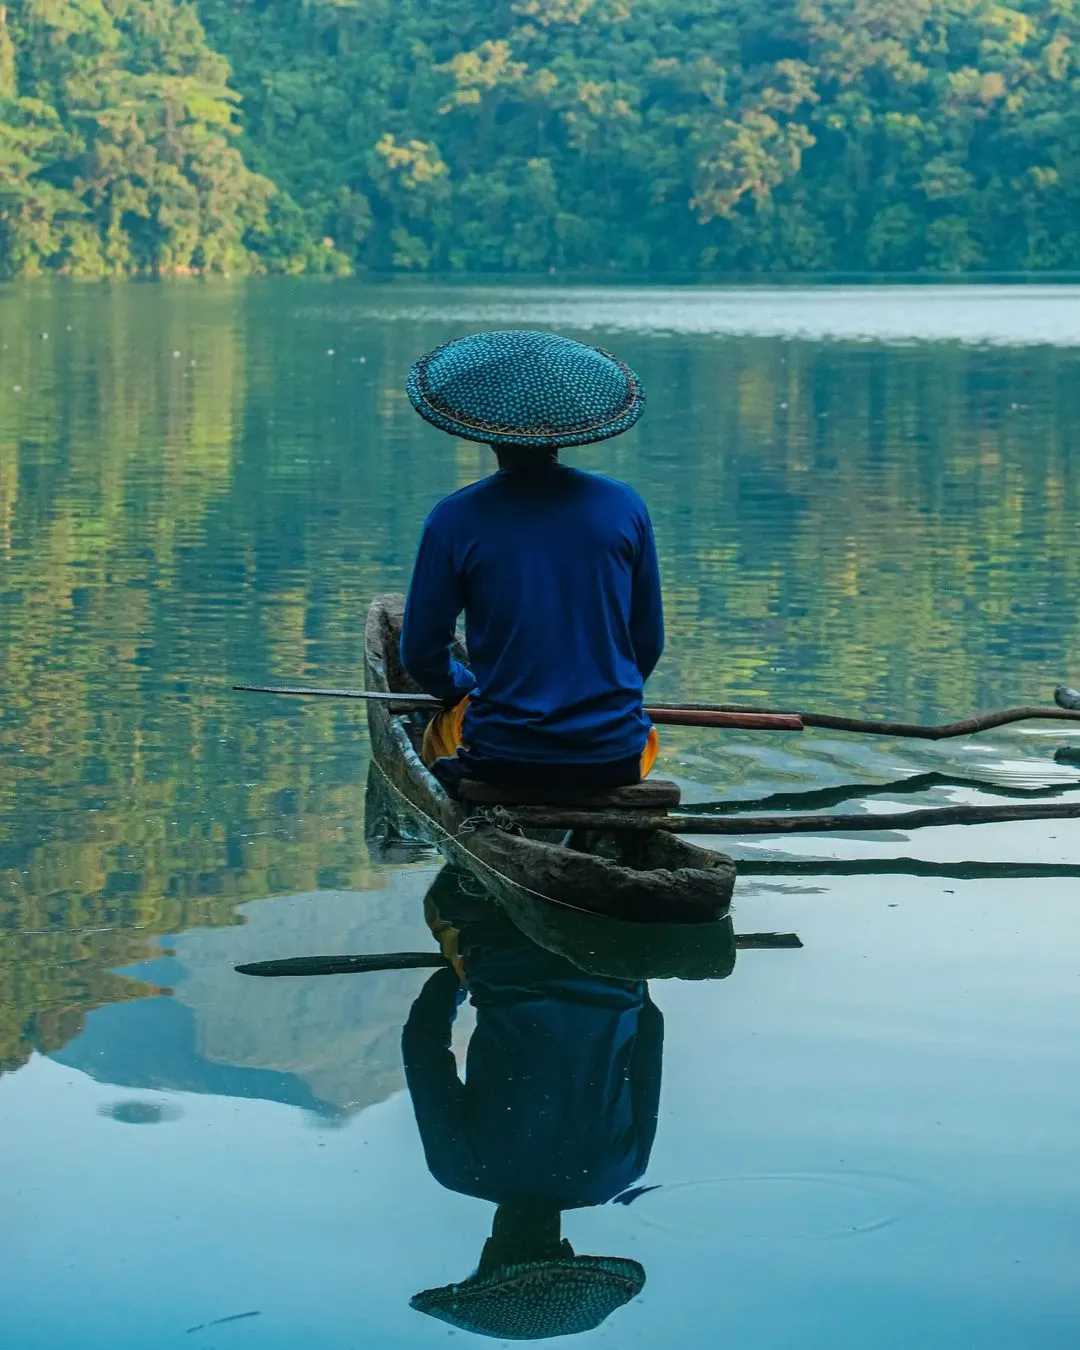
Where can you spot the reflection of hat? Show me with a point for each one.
(533, 1300)
(522, 388)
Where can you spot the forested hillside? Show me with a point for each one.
(152, 136)
(117, 130)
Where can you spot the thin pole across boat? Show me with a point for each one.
(668, 715)
(735, 716)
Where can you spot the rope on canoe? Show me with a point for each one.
(498, 817)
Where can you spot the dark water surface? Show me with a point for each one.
(864, 500)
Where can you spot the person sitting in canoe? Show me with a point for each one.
(555, 570)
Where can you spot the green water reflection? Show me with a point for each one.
(203, 484)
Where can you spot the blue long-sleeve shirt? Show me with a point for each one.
(556, 572)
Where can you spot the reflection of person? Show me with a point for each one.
(558, 1111)
(555, 570)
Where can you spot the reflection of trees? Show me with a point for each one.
(901, 504)
(48, 983)
(897, 537)
(129, 797)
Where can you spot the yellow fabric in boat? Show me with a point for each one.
(443, 737)
(446, 935)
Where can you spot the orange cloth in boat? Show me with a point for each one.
(443, 738)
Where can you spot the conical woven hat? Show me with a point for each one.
(518, 387)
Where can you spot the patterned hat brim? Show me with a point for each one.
(432, 409)
(535, 1300)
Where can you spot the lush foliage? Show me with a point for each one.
(538, 134)
(116, 142)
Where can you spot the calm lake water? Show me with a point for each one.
(865, 499)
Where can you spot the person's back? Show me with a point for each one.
(556, 572)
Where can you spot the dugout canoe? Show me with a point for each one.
(638, 876)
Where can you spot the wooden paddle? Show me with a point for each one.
(668, 715)
(358, 965)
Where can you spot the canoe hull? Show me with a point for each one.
(645, 877)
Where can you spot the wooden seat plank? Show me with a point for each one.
(653, 794)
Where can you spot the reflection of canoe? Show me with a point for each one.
(604, 946)
(594, 943)
(641, 876)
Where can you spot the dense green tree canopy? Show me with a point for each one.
(537, 134)
(116, 142)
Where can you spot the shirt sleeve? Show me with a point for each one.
(434, 603)
(438, 1094)
(646, 606)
